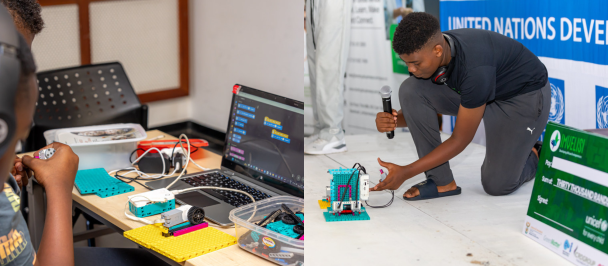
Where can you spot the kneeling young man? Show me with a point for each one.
(471, 74)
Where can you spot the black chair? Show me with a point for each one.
(73, 97)
(84, 96)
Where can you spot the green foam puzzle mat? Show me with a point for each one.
(345, 217)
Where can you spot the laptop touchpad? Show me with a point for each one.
(196, 199)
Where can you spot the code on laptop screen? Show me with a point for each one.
(265, 139)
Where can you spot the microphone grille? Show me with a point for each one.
(385, 92)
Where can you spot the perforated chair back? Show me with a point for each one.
(84, 96)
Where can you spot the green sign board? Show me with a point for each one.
(398, 65)
(568, 209)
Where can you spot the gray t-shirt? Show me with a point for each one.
(15, 244)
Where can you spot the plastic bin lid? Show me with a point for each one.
(96, 135)
(263, 207)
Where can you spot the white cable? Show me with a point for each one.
(155, 138)
(146, 152)
(189, 158)
(141, 174)
(187, 161)
(176, 192)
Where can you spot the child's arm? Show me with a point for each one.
(57, 176)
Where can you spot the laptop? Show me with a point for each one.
(263, 155)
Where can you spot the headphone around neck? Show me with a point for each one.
(442, 74)
(10, 71)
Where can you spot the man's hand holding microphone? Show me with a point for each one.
(388, 121)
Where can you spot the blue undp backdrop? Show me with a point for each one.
(569, 37)
(573, 30)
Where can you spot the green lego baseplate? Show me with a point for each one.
(346, 217)
(99, 182)
(340, 178)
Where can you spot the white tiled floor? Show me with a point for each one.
(432, 232)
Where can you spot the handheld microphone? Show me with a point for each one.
(385, 92)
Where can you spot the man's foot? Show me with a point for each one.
(413, 192)
(537, 148)
(322, 146)
(535, 152)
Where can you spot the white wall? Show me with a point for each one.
(169, 111)
(255, 43)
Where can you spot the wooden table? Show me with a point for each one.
(111, 210)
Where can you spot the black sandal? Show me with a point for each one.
(428, 190)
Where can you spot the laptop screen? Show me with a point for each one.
(265, 139)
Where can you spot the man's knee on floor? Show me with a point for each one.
(495, 188)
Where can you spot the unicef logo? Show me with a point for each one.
(604, 225)
(556, 138)
(602, 112)
(556, 113)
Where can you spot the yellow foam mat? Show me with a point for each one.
(183, 247)
(324, 204)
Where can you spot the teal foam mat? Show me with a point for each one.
(99, 182)
(122, 187)
(93, 180)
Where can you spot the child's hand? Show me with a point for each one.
(57, 172)
(19, 173)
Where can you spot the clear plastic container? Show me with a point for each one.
(270, 245)
(105, 146)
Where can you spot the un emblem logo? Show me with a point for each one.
(556, 113)
(602, 112)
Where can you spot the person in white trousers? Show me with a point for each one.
(327, 42)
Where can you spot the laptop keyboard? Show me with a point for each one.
(231, 197)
